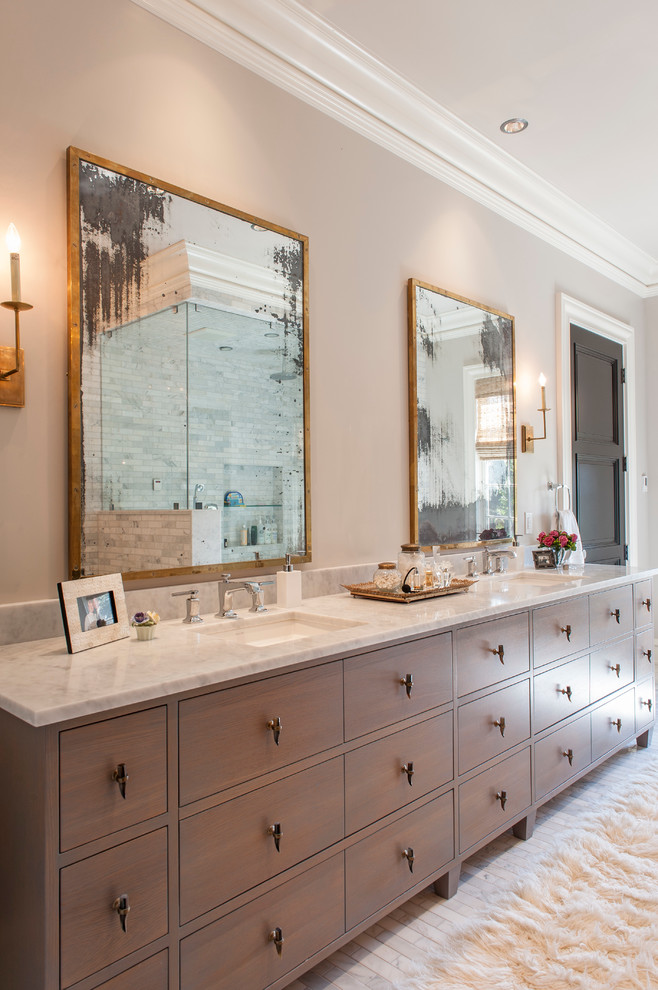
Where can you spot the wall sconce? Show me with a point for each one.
(527, 436)
(12, 361)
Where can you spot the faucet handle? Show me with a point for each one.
(192, 604)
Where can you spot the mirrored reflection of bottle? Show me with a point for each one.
(244, 535)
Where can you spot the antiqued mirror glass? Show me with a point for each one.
(189, 446)
(461, 420)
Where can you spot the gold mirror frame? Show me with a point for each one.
(458, 311)
(76, 479)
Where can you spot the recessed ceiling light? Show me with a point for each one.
(271, 333)
(514, 125)
(225, 347)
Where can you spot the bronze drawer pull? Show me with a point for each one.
(275, 725)
(647, 603)
(648, 703)
(408, 854)
(502, 797)
(616, 614)
(408, 682)
(569, 755)
(567, 631)
(617, 722)
(122, 778)
(408, 768)
(567, 690)
(276, 833)
(500, 653)
(647, 654)
(122, 907)
(616, 668)
(500, 724)
(276, 936)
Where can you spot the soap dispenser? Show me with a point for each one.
(288, 585)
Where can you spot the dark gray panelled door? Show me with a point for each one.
(597, 422)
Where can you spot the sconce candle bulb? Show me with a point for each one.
(14, 245)
(542, 384)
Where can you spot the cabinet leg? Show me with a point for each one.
(644, 741)
(446, 886)
(525, 828)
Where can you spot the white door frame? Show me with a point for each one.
(572, 311)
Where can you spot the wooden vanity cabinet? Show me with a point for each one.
(239, 834)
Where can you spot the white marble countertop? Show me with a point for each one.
(41, 683)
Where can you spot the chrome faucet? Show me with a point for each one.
(228, 587)
(496, 560)
(472, 566)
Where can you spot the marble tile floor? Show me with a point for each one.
(380, 957)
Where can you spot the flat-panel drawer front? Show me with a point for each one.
(497, 797)
(613, 723)
(560, 692)
(112, 774)
(152, 974)
(231, 848)
(645, 704)
(560, 630)
(491, 651)
(610, 614)
(92, 896)
(562, 755)
(644, 653)
(389, 862)
(642, 594)
(386, 775)
(267, 938)
(611, 668)
(493, 724)
(398, 682)
(235, 735)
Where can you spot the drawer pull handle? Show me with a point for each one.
(122, 907)
(647, 654)
(275, 725)
(569, 755)
(648, 703)
(502, 797)
(500, 653)
(500, 724)
(408, 682)
(616, 615)
(567, 631)
(122, 778)
(276, 936)
(647, 604)
(276, 833)
(616, 668)
(408, 854)
(617, 722)
(408, 768)
(567, 690)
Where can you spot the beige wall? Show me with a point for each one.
(113, 80)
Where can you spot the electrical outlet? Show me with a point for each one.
(527, 523)
(157, 484)
(645, 482)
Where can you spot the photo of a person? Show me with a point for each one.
(96, 611)
(92, 617)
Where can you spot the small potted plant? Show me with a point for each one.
(558, 541)
(145, 623)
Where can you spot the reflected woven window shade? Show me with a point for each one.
(494, 418)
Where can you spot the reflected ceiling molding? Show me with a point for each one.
(300, 52)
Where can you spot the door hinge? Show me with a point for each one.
(623, 376)
(624, 464)
(626, 551)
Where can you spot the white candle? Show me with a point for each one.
(542, 383)
(14, 245)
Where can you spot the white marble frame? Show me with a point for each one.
(70, 593)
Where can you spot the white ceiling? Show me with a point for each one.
(433, 79)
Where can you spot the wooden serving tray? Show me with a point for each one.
(370, 590)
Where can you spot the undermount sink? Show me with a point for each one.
(272, 630)
(537, 577)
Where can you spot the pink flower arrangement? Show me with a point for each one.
(558, 539)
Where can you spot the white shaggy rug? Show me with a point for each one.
(587, 919)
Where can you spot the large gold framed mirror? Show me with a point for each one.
(461, 420)
(188, 380)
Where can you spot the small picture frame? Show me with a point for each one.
(93, 611)
(543, 558)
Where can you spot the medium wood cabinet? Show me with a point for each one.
(232, 836)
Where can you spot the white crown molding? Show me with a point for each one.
(300, 52)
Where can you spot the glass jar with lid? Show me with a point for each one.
(387, 577)
(412, 557)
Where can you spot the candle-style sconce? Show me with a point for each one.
(12, 360)
(528, 437)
